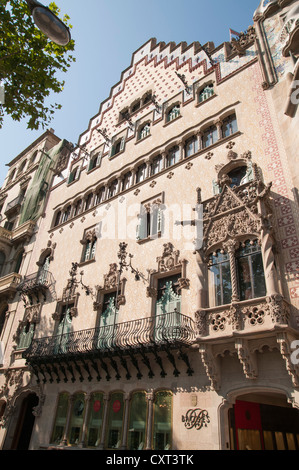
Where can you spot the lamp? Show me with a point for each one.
(49, 23)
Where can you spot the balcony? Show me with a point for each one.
(36, 284)
(23, 232)
(14, 205)
(9, 284)
(152, 337)
(254, 316)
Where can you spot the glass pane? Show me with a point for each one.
(279, 441)
(249, 439)
(291, 441)
(268, 440)
(60, 420)
(259, 285)
(162, 432)
(115, 421)
(95, 420)
(77, 419)
(215, 289)
(137, 422)
(226, 283)
(244, 278)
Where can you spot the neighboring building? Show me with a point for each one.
(165, 311)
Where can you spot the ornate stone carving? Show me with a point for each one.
(286, 352)
(211, 365)
(111, 279)
(244, 40)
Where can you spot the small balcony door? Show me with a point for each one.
(168, 308)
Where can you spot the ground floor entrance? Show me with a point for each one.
(23, 430)
(258, 426)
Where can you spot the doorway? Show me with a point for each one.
(259, 426)
(25, 423)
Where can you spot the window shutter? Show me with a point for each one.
(122, 144)
(141, 227)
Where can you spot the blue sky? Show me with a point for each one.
(107, 32)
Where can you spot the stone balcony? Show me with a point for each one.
(249, 317)
(9, 284)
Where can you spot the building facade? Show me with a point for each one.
(156, 305)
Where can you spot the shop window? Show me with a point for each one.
(250, 271)
(115, 421)
(60, 419)
(220, 278)
(210, 136)
(77, 416)
(206, 93)
(229, 126)
(191, 146)
(162, 425)
(95, 421)
(137, 421)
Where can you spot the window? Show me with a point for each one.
(250, 271)
(173, 156)
(60, 419)
(95, 161)
(57, 219)
(26, 335)
(113, 188)
(220, 278)
(88, 202)
(147, 98)
(168, 298)
(77, 208)
(117, 147)
(76, 422)
(229, 126)
(141, 173)
(191, 146)
(150, 221)
(137, 421)
(144, 131)
(2, 318)
(173, 113)
(135, 106)
(100, 196)
(74, 175)
(89, 250)
(2, 262)
(127, 180)
(95, 421)
(162, 426)
(66, 215)
(205, 93)
(115, 421)
(210, 136)
(21, 169)
(156, 165)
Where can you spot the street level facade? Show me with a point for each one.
(149, 274)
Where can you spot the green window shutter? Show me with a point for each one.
(122, 144)
(26, 336)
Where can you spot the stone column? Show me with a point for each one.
(201, 273)
(150, 399)
(68, 419)
(230, 246)
(85, 422)
(104, 425)
(125, 423)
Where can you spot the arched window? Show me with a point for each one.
(26, 335)
(250, 271)
(66, 215)
(137, 421)
(113, 188)
(173, 113)
(57, 219)
(88, 201)
(95, 420)
(162, 425)
(173, 156)
(205, 93)
(141, 173)
(127, 180)
(210, 136)
(191, 146)
(100, 196)
(89, 250)
(229, 126)
(237, 175)
(60, 419)
(18, 262)
(144, 131)
(77, 208)
(115, 421)
(156, 165)
(220, 278)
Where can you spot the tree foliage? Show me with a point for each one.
(29, 65)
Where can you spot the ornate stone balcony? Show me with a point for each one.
(250, 317)
(9, 284)
(24, 232)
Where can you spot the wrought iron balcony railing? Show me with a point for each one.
(36, 284)
(169, 329)
(14, 204)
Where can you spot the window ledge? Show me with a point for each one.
(147, 239)
(84, 263)
(172, 120)
(205, 101)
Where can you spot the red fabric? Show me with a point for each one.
(247, 415)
